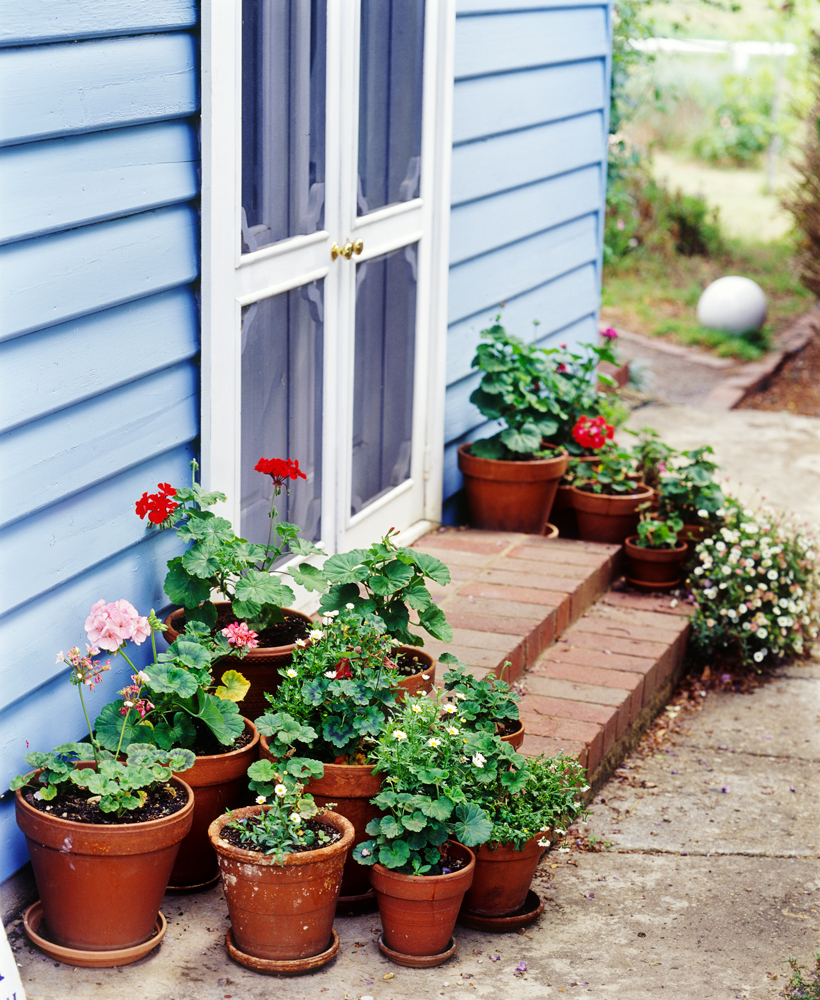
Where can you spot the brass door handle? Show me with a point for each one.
(347, 250)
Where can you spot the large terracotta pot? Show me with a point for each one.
(654, 569)
(349, 787)
(218, 782)
(281, 912)
(510, 496)
(418, 912)
(604, 518)
(260, 666)
(502, 879)
(101, 885)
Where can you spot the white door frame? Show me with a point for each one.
(231, 280)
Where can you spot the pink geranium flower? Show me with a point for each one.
(238, 634)
(110, 626)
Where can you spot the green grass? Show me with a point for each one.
(658, 298)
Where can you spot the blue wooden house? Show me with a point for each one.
(249, 229)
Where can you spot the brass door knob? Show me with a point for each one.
(335, 250)
(347, 250)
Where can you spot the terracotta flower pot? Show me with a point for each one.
(422, 681)
(101, 885)
(654, 569)
(516, 738)
(419, 912)
(281, 912)
(502, 879)
(510, 496)
(349, 787)
(218, 782)
(605, 518)
(260, 666)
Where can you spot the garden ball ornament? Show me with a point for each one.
(733, 305)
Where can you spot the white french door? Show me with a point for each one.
(326, 136)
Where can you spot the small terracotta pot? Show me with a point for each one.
(516, 738)
(424, 680)
(502, 878)
(510, 496)
(260, 666)
(604, 518)
(281, 912)
(349, 787)
(419, 912)
(218, 782)
(101, 885)
(654, 569)
(563, 513)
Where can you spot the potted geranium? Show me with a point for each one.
(655, 554)
(218, 562)
(528, 804)
(510, 478)
(176, 702)
(688, 490)
(281, 863)
(606, 495)
(101, 830)
(488, 703)
(331, 706)
(387, 580)
(418, 850)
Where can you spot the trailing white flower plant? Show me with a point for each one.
(756, 585)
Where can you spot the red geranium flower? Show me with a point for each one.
(592, 433)
(280, 469)
(343, 669)
(158, 506)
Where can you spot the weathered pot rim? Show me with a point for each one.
(474, 465)
(485, 850)
(240, 854)
(654, 555)
(422, 879)
(83, 831)
(257, 649)
(644, 492)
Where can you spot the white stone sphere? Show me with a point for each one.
(732, 304)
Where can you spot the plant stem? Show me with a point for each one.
(88, 723)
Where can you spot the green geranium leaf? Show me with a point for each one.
(206, 526)
(179, 732)
(263, 770)
(416, 822)
(168, 678)
(393, 577)
(340, 595)
(222, 718)
(313, 691)
(109, 725)
(305, 768)
(369, 723)
(374, 826)
(472, 824)
(346, 567)
(431, 567)
(201, 560)
(488, 448)
(257, 589)
(394, 855)
(435, 622)
(391, 827)
(417, 597)
(365, 853)
(309, 577)
(440, 809)
(183, 587)
(338, 730)
(523, 440)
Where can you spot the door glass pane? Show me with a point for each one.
(384, 363)
(390, 85)
(283, 119)
(282, 407)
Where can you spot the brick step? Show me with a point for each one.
(595, 664)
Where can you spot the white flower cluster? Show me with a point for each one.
(756, 586)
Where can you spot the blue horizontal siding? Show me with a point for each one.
(51, 279)
(100, 176)
(518, 40)
(55, 90)
(61, 20)
(478, 227)
(555, 305)
(70, 537)
(497, 104)
(73, 361)
(47, 710)
(503, 162)
(59, 455)
(482, 283)
(530, 126)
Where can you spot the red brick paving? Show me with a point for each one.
(512, 595)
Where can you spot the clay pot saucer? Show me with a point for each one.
(352, 906)
(33, 923)
(418, 961)
(188, 890)
(532, 909)
(282, 967)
